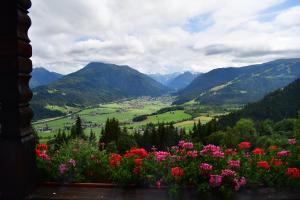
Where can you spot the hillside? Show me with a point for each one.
(41, 76)
(240, 85)
(181, 81)
(95, 83)
(278, 105)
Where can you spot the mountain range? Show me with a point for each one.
(41, 76)
(240, 85)
(175, 81)
(95, 83)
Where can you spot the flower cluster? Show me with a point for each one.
(244, 145)
(177, 172)
(293, 173)
(234, 163)
(41, 152)
(115, 160)
(161, 155)
(139, 152)
(204, 167)
(210, 167)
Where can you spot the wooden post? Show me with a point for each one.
(17, 156)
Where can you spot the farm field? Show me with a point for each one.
(94, 118)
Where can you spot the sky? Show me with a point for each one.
(163, 36)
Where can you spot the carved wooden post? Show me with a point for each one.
(17, 157)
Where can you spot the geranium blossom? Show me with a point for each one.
(215, 180)
(161, 155)
(192, 154)
(218, 154)
(258, 151)
(228, 173)
(140, 152)
(273, 148)
(72, 162)
(177, 172)
(233, 163)
(62, 168)
(292, 141)
(244, 145)
(204, 167)
(263, 164)
(115, 160)
(187, 145)
(293, 172)
(283, 153)
(210, 149)
(230, 152)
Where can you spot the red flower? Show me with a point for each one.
(140, 152)
(138, 161)
(38, 153)
(263, 164)
(244, 145)
(258, 151)
(277, 162)
(293, 172)
(115, 160)
(230, 152)
(273, 148)
(177, 172)
(42, 147)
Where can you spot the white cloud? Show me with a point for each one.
(161, 35)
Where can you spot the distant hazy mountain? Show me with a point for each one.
(41, 76)
(241, 85)
(164, 78)
(278, 105)
(95, 83)
(181, 81)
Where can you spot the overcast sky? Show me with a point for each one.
(162, 36)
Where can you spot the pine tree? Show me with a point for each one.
(92, 137)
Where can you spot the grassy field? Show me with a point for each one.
(188, 125)
(94, 118)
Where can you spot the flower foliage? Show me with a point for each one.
(209, 168)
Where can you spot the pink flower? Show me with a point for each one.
(44, 156)
(158, 184)
(233, 163)
(161, 155)
(215, 180)
(292, 141)
(188, 145)
(236, 184)
(218, 154)
(283, 153)
(242, 181)
(228, 173)
(205, 167)
(209, 149)
(72, 162)
(192, 154)
(181, 142)
(62, 168)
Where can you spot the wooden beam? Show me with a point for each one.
(17, 142)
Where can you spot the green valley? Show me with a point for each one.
(124, 111)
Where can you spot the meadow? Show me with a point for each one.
(94, 118)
